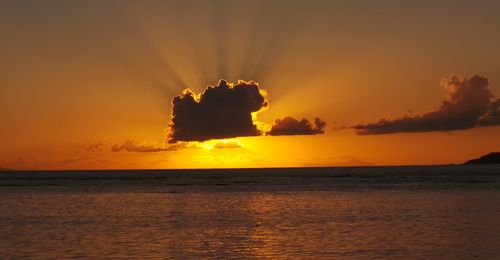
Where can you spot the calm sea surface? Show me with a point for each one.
(440, 212)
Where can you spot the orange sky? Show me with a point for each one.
(80, 77)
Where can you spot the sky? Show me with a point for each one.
(91, 84)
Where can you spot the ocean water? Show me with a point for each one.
(437, 212)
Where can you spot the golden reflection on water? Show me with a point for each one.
(239, 225)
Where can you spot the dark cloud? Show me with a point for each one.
(492, 116)
(133, 146)
(227, 111)
(292, 126)
(470, 103)
(223, 111)
(95, 147)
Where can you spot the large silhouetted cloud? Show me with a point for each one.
(223, 111)
(229, 110)
(292, 126)
(470, 103)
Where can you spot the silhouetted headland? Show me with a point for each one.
(491, 158)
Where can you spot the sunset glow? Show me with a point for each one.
(97, 92)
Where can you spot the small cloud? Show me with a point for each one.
(470, 104)
(133, 146)
(292, 126)
(95, 147)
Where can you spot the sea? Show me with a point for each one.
(407, 212)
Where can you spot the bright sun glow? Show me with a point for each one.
(221, 144)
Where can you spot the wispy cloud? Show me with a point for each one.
(133, 146)
(95, 147)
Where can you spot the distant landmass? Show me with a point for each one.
(491, 158)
